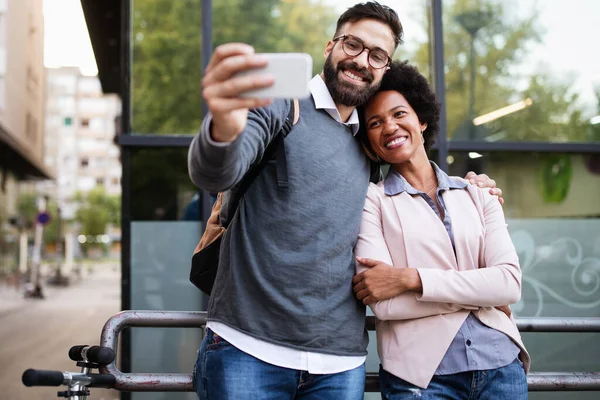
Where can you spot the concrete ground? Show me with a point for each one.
(37, 333)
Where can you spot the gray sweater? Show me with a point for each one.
(286, 264)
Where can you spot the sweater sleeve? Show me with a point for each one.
(216, 167)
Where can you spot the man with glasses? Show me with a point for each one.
(283, 321)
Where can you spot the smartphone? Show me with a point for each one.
(292, 72)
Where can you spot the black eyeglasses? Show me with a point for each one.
(353, 47)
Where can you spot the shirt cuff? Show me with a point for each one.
(205, 131)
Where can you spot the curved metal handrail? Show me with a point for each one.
(153, 382)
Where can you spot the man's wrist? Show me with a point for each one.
(222, 129)
(218, 138)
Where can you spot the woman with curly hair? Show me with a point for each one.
(435, 261)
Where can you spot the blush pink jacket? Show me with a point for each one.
(414, 331)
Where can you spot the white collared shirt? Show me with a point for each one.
(323, 101)
(281, 356)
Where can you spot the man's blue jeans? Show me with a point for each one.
(223, 372)
(507, 382)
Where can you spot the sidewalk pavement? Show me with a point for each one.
(13, 297)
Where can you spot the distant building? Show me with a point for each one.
(22, 86)
(79, 139)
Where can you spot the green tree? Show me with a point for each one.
(502, 45)
(27, 209)
(167, 68)
(555, 114)
(51, 229)
(95, 210)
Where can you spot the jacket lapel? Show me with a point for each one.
(467, 227)
(418, 221)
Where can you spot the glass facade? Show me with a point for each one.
(521, 70)
(553, 217)
(539, 185)
(160, 254)
(166, 66)
(161, 189)
(165, 227)
(166, 43)
(515, 72)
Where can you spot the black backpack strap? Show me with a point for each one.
(275, 148)
(280, 157)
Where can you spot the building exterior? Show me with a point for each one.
(22, 88)
(518, 81)
(79, 139)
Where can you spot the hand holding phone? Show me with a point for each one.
(237, 79)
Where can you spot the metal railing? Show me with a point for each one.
(153, 382)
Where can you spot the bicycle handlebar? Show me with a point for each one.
(96, 354)
(40, 377)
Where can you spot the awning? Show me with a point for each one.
(103, 20)
(16, 159)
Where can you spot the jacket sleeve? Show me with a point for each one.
(216, 167)
(371, 244)
(497, 282)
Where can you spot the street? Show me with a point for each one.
(38, 333)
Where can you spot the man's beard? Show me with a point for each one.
(344, 92)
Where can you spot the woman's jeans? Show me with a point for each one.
(223, 372)
(507, 382)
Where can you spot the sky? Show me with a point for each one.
(66, 39)
(567, 51)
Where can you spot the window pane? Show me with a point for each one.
(165, 229)
(553, 215)
(166, 40)
(166, 66)
(522, 70)
(160, 267)
(160, 186)
(539, 185)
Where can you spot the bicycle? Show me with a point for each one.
(88, 358)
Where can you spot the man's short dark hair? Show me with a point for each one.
(376, 11)
(408, 81)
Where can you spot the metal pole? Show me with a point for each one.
(472, 90)
(563, 381)
(207, 49)
(207, 21)
(559, 324)
(36, 258)
(542, 324)
(440, 81)
(148, 382)
(145, 382)
(125, 129)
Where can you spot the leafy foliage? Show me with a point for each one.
(167, 42)
(96, 210)
(501, 49)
